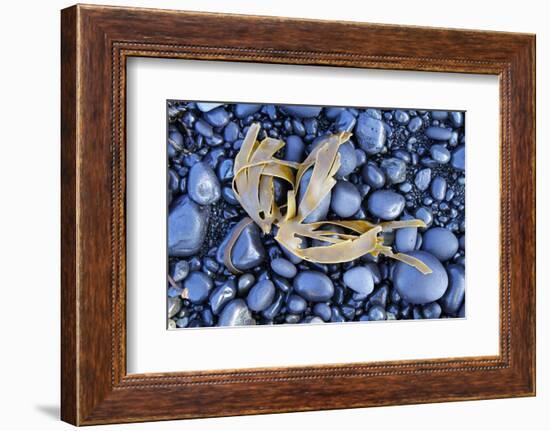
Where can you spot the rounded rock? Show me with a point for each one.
(377, 312)
(197, 287)
(283, 267)
(415, 124)
(386, 205)
(359, 279)
(417, 288)
(296, 304)
(187, 223)
(301, 111)
(236, 313)
(395, 169)
(217, 117)
(370, 134)
(454, 296)
(373, 176)
(346, 199)
(294, 149)
(440, 154)
(243, 110)
(440, 242)
(405, 238)
(221, 295)
(321, 211)
(348, 160)
(314, 286)
(261, 295)
(439, 133)
(423, 178)
(438, 188)
(458, 158)
(203, 185)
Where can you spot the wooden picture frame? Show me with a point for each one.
(96, 41)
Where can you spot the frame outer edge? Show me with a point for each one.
(69, 211)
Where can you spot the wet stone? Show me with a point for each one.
(261, 295)
(174, 306)
(438, 188)
(243, 110)
(203, 185)
(218, 117)
(373, 176)
(283, 267)
(222, 294)
(440, 242)
(440, 154)
(458, 158)
(439, 133)
(417, 288)
(454, 296)
(197, 287)
(359, 279)
(348, 160)
(313, 286)
(423, 178)
(180, 270)
(187, 223)
(395, 169)
(301, 111)
(346, 199)
(370, 134)
(386, 205)
(294, 149)
(236, 313)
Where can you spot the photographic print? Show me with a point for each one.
(290, 214)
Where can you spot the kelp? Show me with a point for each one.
(255, 168)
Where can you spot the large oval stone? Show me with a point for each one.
(187, 223)
(236, 313)
(203, 185)
(418, 288)
(386, 204)
(248, 251)
(313, 286)
(370, 134)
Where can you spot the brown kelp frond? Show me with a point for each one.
(254, 169)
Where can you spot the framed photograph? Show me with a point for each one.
(283, 215)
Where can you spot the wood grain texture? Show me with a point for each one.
(96, 41)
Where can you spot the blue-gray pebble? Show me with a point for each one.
(222, 294)
(373, 176)
(243, 110)
(319, 213)
(385, 204)
(203, 185)
(440, 242)
(395, 169)
(261, 295)
(187, 224)
(454, 296)
(346, 199)
(197, 287)
(370, 134)
(423, 178)
(283, 267)
(438, 188)
(301, 111)
(236, 313)
(314, 286)
(348, 160)
(359, 279)
(417, 288)
(439, 133)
